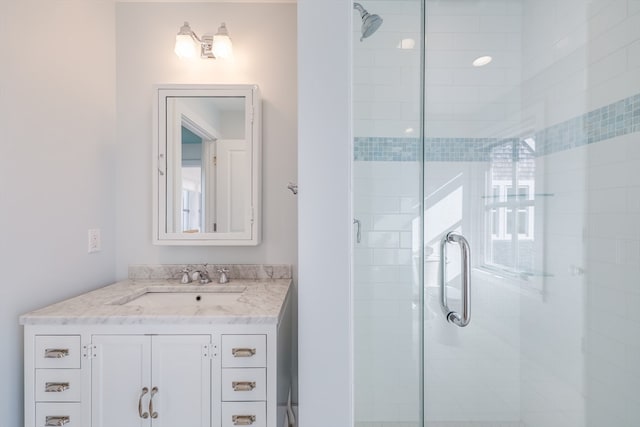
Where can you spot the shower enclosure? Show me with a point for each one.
(496, 151)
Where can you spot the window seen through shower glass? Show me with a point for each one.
(509, 206)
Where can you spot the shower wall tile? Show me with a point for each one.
(617, 119)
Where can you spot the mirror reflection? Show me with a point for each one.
(209, 185)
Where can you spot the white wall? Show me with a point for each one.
(324, 232)
(264, 38)
(57, 167)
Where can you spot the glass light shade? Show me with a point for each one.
(222, 47)
(185, 47)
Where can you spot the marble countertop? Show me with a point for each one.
(260, 301)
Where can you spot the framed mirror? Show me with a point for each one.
(206, 165)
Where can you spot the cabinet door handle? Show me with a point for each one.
(57, 420)
(243, 420)
(243, 385)
(55, 387)
(144, 415)
(243, 352)
(56, 353)
(153, 413)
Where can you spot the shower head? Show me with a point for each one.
(370, 23)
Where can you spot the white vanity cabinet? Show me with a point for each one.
(157, 375)
(168, 375)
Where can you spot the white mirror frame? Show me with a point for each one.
(252, 235)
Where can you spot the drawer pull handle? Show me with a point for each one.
(243, 385)
(56, 353)
(243, 352)
(55, 387)
(143, 415)
(57, 420)
(243, 420)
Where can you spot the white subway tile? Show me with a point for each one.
(437, 76)
(479, 76)
(397, 58)
(500, 24)
(614, 90)
(633, 200)
(607, 17)
(633, 54)
(608, 300)
(408, 22)
(608, 67)
(362, 110)
(610, 152)
(611, 175)
(393, 222)
(453, 24)
(381, 239)
(388, 75)
(603, 250)
(362, 257)
(607, 201)
(392, 257)
(385, 110)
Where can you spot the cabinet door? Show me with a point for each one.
(181, 373)
(119, 372)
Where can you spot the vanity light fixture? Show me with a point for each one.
(212, 47)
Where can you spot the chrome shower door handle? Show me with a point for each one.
(358, 230)
(452, 316)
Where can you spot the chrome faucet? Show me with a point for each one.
(204, 276)
(201, 276)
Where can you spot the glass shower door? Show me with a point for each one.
(387, 177)
(531, 140)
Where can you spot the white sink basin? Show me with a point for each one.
(184, 299)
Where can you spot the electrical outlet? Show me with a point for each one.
(95, 243)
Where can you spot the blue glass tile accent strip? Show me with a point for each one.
(386, 149)
(616, 119)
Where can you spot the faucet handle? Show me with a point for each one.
(224, 278)
(185, 276)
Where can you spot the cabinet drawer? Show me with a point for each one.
(57, 351)
(55, 414)
(252, 414)
(244, 384)
(244, 351)
(58, 385)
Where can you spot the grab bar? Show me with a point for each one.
(452, 316)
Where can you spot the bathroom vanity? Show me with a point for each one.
(153, 352)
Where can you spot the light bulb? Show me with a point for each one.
(222, 47)
(185, 47)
